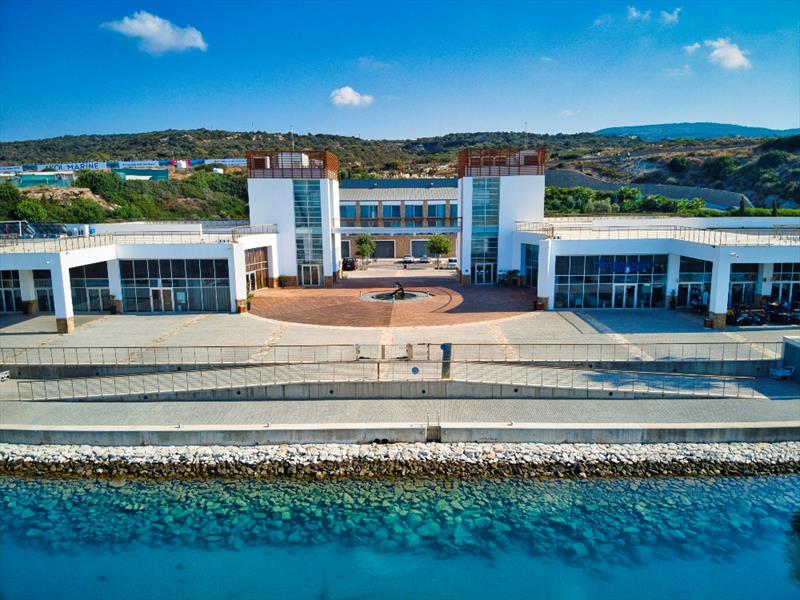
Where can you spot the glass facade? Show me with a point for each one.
(786, 284)
(197, 285)
(485, 229)
(530, 264)
(10, 292)
(308, 230)
(368, 214)
(694, 283)
(89, 284)
(621, 281)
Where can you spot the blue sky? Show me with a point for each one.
(394, 70)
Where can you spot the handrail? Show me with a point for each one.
(713, 237)
(544, 353)
(226, 380)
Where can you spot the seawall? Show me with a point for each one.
(320, 461)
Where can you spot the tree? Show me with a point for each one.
(741, 207)
(9, 198)
(439, 244)
(365, 245)
(774, 207)
(30, 210)
(103, 183)
(83, 210)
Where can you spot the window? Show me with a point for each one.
(413, 215)
(347, 214)
(485, 220)
(391, 215)
(622, 281)
(194, 285)
(436, 215)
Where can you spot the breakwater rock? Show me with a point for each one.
(320, 461)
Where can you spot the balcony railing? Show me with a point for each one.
(496, 162)
(306, 164)
(63, 244)
(394, 223)
(711, 237)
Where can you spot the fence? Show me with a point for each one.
(255, 355)
(62, 244)
(231, 379)
(788, 237)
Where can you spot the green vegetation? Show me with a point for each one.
(365, 245)
(439, 244)
(47, 207)
(581, 200)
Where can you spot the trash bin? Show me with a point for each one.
(708, 323)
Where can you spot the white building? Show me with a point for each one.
(494, 213)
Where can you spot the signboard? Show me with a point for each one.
(622, 266)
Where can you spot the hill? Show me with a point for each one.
(673, 131)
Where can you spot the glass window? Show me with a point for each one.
(368, 211)
(347, 211)
(193, 268)
(178, 268)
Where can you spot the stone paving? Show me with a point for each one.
(449, 303)
(98, 414)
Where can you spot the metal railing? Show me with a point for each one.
(404, 223)
(545, 353)
(62, 244)
(235, 380)
(711, 237)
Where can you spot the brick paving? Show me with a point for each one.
(450, 303)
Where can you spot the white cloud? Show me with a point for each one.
(347, 96)
(727, 54)
(677, 73)
(370, 63)
(157, 35)
(546, 59)
(568, 112)
(602, 20)
(670, 18)
(692, 48)
(635, 14)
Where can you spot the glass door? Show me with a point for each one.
(483, 273)
(98, 299)
(309, 275)
(624, 295)
(161, 299)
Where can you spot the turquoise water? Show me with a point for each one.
(625, 538)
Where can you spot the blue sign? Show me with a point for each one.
(624, 266)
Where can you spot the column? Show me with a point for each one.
(673, 277)
(720, 284)
(62, 297)
(238, 279)
(545, 285)
(30, 303)
(272, 263)
(114, 286)
(764, 281)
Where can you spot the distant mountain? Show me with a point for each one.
(671, 131)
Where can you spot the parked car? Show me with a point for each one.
(349, 264)
(452, 263)
(424, 259)
(408, 259)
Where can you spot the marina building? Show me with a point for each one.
(304, 221)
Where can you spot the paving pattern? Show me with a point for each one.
(449, 303)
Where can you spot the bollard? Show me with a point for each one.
(447, 353)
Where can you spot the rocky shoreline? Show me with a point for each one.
(320, 461)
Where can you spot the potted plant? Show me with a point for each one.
(282, 280)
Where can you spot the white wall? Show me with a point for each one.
(521, 199)
(272, 201)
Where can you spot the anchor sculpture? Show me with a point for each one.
(399, 293)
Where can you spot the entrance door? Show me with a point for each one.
(690, 295)
(161, 299)
(98, 299)
(787, 292)
(624, 295)
(309, 275)
(483, 273)
(742, 294)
